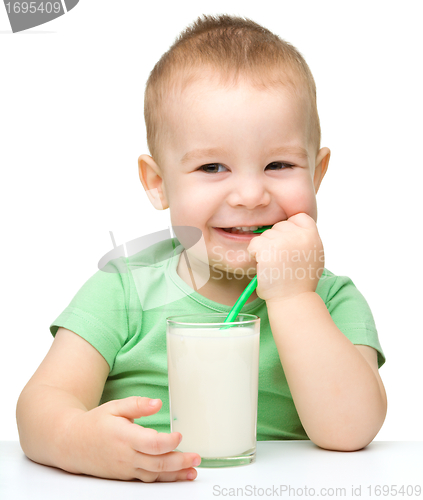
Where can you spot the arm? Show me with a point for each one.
(335, 385)
(61, 425)
(69, 382)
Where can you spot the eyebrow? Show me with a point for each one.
(293, 150)
(198, 154)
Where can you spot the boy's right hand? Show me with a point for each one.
(105, 442)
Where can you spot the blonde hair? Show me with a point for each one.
(231, 46)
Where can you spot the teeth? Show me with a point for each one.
(244, 229)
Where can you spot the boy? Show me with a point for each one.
(234, 137)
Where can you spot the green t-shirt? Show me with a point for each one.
(122, 310)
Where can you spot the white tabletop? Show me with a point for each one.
(282, 469)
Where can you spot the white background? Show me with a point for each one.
(71, 125)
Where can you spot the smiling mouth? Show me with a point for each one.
(240, 230)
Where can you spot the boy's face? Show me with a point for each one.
(236, 157)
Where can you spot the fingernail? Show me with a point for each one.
(154, 402)
(196, 461)
(191, 476)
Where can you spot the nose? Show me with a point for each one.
(249, 192)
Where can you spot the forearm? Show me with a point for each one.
(43, 414)
(335, 391)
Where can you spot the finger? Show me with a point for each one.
(254, 246)
(169, 462)
(133, 407)
(151, 442)
(150, 477)
(303, 220)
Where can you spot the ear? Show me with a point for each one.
(322, 163)
(152, 180)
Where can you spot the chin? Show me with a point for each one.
(236, 271)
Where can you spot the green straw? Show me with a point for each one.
(262, 229)
(245, 295)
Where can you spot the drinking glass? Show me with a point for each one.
(213, 386)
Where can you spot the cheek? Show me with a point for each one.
(190, 207)
(300, 198)
(192, 200)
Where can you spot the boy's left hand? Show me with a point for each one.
(290, 258)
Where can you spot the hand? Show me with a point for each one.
(105, 442)
(290, 258)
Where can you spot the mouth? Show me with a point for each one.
(240, 229)
(238, 232)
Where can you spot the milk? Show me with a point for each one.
(213, 387)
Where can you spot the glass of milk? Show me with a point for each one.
(213, 386)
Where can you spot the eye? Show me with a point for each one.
(278, 165)
(211, 168)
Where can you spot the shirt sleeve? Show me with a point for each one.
(98, 314)
(352, 315)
